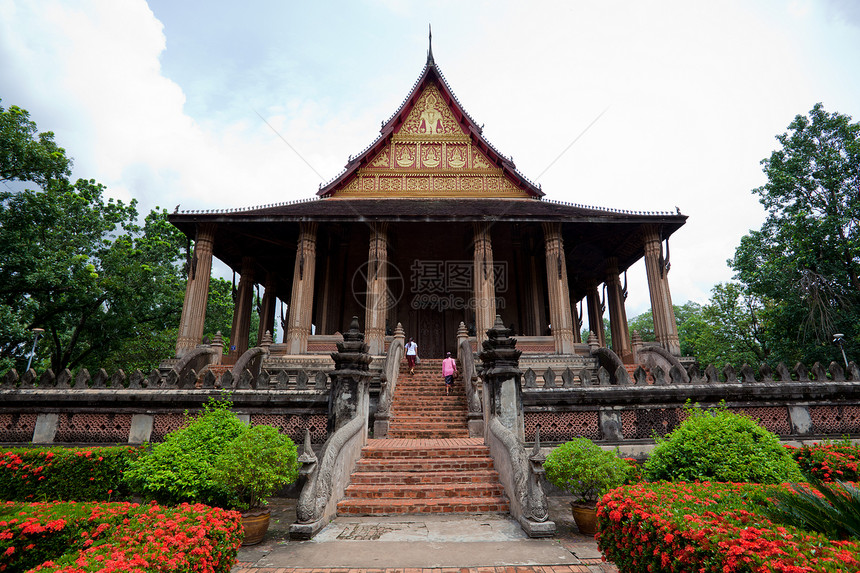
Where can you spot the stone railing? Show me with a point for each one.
(518, 472)
(471, 383)
(84, 408)
(327, 476)
(799, 405)
(388, 382)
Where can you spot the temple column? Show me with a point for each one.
(595, 313)
(617, 313)
(557, 289)
(665, 327)
(267, 309)
(376, 309)
(484, 282)
(241, 326)
(302, 296)
(196, 291)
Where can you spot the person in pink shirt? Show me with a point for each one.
(449, 370)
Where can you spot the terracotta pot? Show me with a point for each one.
(585, 516)
(255, 524)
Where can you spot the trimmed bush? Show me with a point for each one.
(718, 445)
(71, 474)
(180, 468)
(83, 537)
(254, 465)
(829, 461)
(584, 470)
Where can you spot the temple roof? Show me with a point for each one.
(454, 151)
(430, 209)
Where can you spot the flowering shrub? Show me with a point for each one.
(829, 461)
(72, 537)
(709, 527)
(81, 474)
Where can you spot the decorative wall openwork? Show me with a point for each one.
(294, 425)
(163, 424)
(774, 418)
(93, 428)
(835, 419)
(17, 427)
(562, 426)
(642, 424)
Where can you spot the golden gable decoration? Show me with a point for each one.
(430, 148)
(431, 115)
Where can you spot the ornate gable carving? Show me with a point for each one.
(431, 115)
(430, 155)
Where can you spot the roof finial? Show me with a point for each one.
(430, 61)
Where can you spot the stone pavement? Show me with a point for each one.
(480, 543)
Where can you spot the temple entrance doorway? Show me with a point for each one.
(437, 280)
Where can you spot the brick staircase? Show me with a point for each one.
(421, 409)
(428, 464)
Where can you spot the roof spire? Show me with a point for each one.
(430, 61)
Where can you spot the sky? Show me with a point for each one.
(643, 105)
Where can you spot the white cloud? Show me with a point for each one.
(694, 93)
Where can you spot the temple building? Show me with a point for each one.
(430, 226)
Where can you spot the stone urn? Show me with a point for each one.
(585, 517)
(255, 524)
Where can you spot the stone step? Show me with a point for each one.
(429, 418)
(424, 477)
(424, 465)
(424, 406)
(444, 505)
(428, 434)
(424, 491)
(425, 450)
(430, 426)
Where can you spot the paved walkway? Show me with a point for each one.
(483, 543)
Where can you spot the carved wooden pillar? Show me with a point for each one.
(557, 289)
(595, 314)
(241, 327)
(484, 282)
(378, 300)
(302, 297)
(267, 309)
(617, 313)
(196, 291)
(665, 327)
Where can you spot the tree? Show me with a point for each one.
(75, 264)
(803, 264)
(688, 318)
(729, 329)
(25, 154)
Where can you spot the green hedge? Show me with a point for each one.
(82, 537)
(79, 474)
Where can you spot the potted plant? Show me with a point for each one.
(253, 466)
(585, 471)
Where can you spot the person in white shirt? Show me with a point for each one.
(411, 354)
